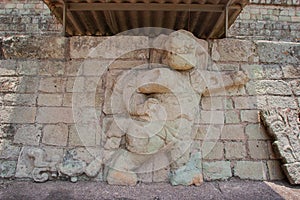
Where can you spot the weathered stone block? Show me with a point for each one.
(34, 47)
(17, 114)
(291, 71)
(233, 50)
(273, 71)
(8, 67)
(250, 116)
(232, 116)
(7, 169)
(213, 150)
(205, 132)
(219, 170)
(253, 71)
(295, 85)
(28, 135)
(9, 84)
(51, 68)
(250, 170)
(85, 135)
(110, 48)
(212, 117)
(278, 52)
(275, 171)
(235, 150)
(233, 132)
(52, 85)
(50, 99)
(13, 99)
(256, 132)
(272, 87)
(258, 149)
(28, 84)
(8, 150)
(55, 115)
(55, 135)
(245, 102)
(281, 102)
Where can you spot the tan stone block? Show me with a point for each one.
(80, 84)
(34, 47)
(253, 170)
(213, 150)
(17, 115)
(253, 71)
(85, 135)
(281, 102)
(52, 85)
(275, 171)
(51, 68)
(291, 71)
(232, 116)
(212, 117)
(28, 135)
(235, 150)
(258, 149)
(50, 99)
(212, 103)
(208, 132)
(8, 67)
(271, 87)
(218, 170)
(28, 84)
(233, 50)
(250, 116)
(8, 150)
(73, 68)
(233, 132)
(9, 84)
(55, 134)
(28, 67)
(13, 99)
(110, 48)
(256, 132)
(245, 102)
(55, 115)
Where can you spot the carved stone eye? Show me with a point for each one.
(278, 126)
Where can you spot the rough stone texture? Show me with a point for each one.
(219, 170)
(250, 170)
(55, 134)
(28, 135)
(235, 150)
(283, 126)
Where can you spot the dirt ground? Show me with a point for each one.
(233, 189)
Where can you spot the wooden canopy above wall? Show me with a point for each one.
(204, 18)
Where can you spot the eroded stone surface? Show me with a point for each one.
(283, 125)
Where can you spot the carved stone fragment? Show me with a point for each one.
(283, 126)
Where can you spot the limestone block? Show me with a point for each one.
(8, 67)
(291, 71)
(110, 48)
(52, 85)
(281, 102)
(51, 68)
(50, 115)
(7, 169)
(254, 170)
(292, 172)
(8, 150)
(9, 84)
(218, 170)
(34, 47)
(87, 135)
(206, 132)
(276, 87)
(50, 99)
(233, 50)
(212, 117)
(258, 149)
(246, 102)
(295, 85)
(13, 99)
(18, 114)
(250, 116)
(189, 174)
(273, 71)
(28, 135)
(275, 171)
(256, 132)
(28, 84)
(122, 178)
(7, 130)
(253, 71)
(235, 150)
(232, 116)
(213, 150)
(233, 132)
(55, 135)
(278, 52)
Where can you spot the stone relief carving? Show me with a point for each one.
(154, 113)
(283, 125)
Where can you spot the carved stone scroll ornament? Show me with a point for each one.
(283, 126)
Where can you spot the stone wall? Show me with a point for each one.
(37, 76)
(27, 17)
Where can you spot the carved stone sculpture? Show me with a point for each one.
(283, 125)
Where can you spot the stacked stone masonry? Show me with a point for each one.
(37, 75)
(262, 19)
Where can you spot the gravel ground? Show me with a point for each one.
(234, 189)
